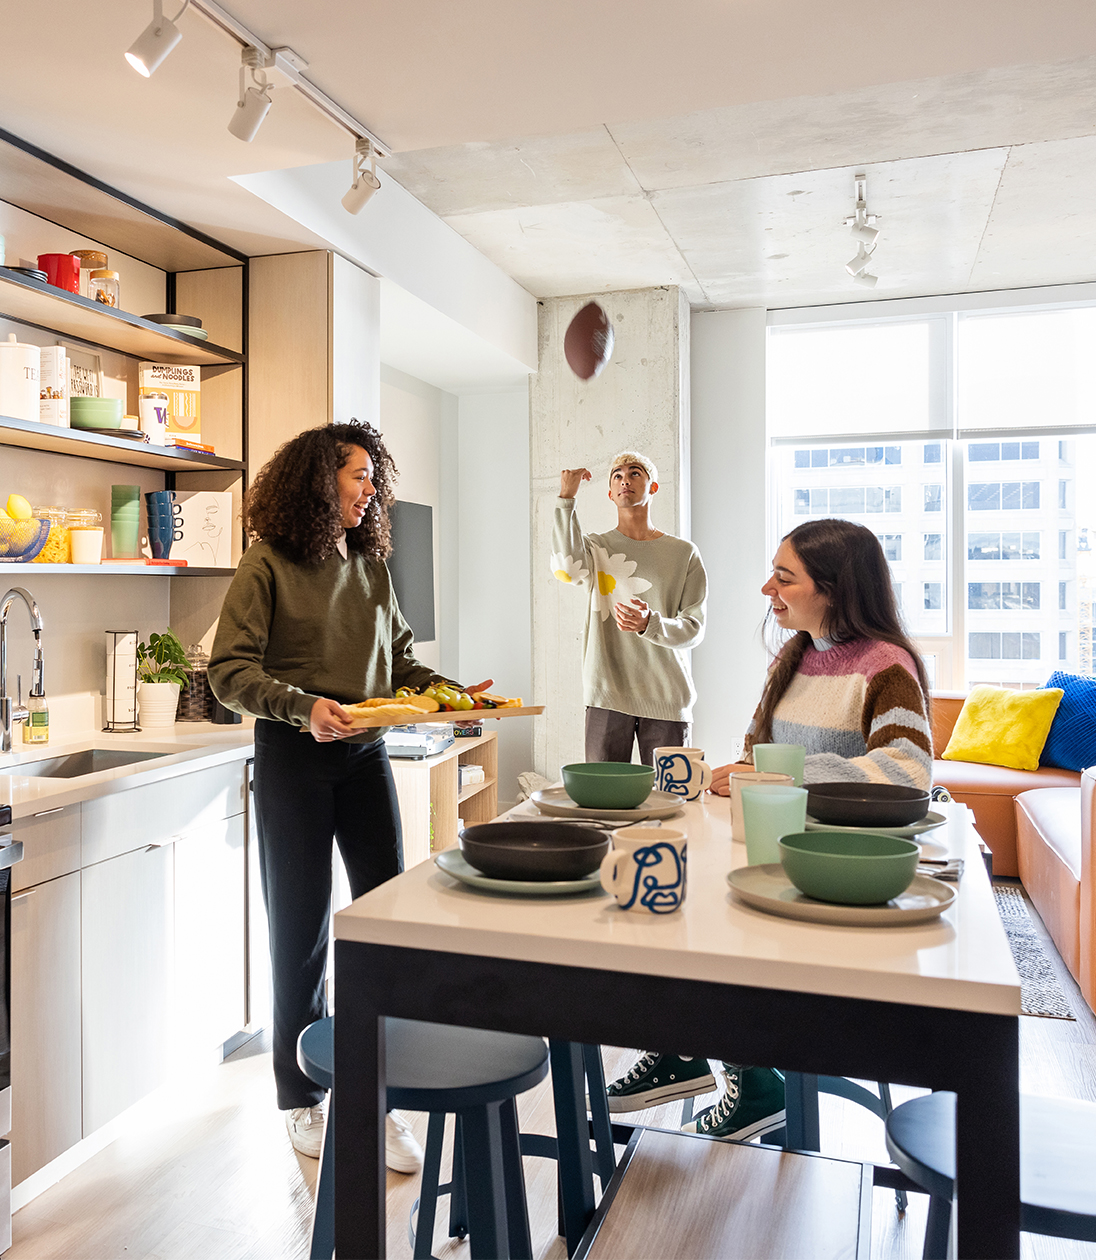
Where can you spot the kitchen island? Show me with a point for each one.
(934, 1005)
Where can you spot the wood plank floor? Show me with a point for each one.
(206, 1170)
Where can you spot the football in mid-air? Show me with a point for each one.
(588, 343)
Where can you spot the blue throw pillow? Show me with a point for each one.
(1071, 744)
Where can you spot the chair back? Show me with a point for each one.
(945, 712)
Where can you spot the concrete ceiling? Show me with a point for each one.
(710, 144)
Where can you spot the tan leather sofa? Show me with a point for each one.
(1056, 843)
(990, 791)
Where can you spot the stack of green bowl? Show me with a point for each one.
(125, 521)
(95, 413)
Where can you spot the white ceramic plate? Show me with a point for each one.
(929, 823)
(452, 862)
(768, 888)
(555, 801)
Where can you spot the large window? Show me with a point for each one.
(979, 496)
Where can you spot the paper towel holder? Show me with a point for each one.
(118, 683)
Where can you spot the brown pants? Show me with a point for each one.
(609, 736)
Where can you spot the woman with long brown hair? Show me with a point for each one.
(310, 623)
(849, 685)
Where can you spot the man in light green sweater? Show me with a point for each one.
(635, 668)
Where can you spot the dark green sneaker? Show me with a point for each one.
(660, 1078)
(752, 1105)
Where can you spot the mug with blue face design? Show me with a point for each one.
(682, 772)
(645, 869)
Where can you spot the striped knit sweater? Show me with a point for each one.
(859, 711)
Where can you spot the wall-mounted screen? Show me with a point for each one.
(412, 565)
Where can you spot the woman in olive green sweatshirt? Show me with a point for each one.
(310, 623)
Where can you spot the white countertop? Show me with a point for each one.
(189, 746)
(960, 961)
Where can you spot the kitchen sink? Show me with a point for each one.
(75, 764)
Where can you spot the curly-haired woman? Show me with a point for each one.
(311, 622)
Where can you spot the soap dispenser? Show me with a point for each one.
(36, 725)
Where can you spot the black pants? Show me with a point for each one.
(609, 736)
(305, 794)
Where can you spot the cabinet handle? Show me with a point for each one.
(46, 812)
(23, 895)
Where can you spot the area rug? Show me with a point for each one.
(1040, 992)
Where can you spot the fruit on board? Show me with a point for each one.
(18, 508)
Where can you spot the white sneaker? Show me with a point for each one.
(402, 1152)
(305, 1125)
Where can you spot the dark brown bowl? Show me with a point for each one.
(192, 321)
(866, 804)
(538, 851)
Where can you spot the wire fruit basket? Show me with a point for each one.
(21, 541)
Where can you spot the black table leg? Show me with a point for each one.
(359, 1135)
(576, 1171)
(801, 1105)
(987, 1143)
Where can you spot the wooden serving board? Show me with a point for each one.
(462, 715)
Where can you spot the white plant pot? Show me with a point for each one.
(157, 703)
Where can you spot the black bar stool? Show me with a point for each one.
(1057, 1164)
(440, 1068)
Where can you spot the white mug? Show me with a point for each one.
(744, 778)
(682, 772)
(645, 869)
(155, 410)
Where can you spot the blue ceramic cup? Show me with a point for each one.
(682, 772)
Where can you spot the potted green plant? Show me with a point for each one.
(162, 669)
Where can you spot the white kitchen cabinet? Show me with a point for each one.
(51, 846)
(45, 1032)
(210, 931)
(158, 813)
(127, 978)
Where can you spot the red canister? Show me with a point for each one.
(63, 270)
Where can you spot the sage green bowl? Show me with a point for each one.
(851, 869)
(608, 784)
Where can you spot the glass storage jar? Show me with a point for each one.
(103, 287)
(56, 550)
(85, 531)
(196, 698)
(90, 260)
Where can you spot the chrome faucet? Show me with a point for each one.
(11, 712)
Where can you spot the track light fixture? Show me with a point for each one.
(254, 103)
(157, 40)
(365, 182)
(860, 224)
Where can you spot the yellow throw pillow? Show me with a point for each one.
(1000, 727)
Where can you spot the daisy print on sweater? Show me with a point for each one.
(568, 569)
(615, 581)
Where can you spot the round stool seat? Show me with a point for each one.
(1057, 1157)
(469, 1066)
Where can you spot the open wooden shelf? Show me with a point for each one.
(68, 315)
(31, 435)
(474, 789)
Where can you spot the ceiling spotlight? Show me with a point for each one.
(862, 232)
(858, 264)
(254, 103)
(365, 182)
(866, 279)
(156, 40)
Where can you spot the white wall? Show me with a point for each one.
(355, 336)
(494, 619)
(728, 521)
(412, 418)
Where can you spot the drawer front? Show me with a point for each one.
(51, 846)
(160, 813)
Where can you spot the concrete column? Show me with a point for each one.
(641, 401)
(729, 522)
